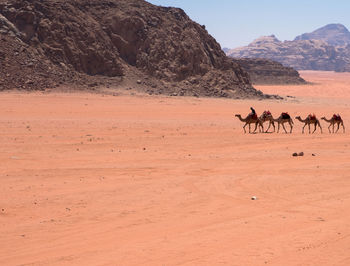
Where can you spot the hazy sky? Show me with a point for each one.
(238, 22)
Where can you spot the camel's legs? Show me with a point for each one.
(244, 127)
(333, 128)
(284, 128)
(291, 126)
(343, 126)
(303, 128)
(260, 125)
(319, 124)
(273, 124)
(309, 128)
(337, 128)
(315, 128)
(278, 129)
(256, 126)
(329, 128)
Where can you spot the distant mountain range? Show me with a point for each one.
(327, 48)
(332, 34)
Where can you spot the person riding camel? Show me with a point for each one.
(253, 113)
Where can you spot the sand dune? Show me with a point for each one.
(90, 179)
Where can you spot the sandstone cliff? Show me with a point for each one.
(264, 71)
(96, 42)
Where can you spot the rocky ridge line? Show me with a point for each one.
(268, 72)
(314, 51)
(108, 42)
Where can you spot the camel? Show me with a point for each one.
(336, 119)
(250, 119)
(310, 119)
(266, 116)
(284, 118)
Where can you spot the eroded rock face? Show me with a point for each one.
(65, 34)
(264, 71)
(301, 54)
(332, 34)
(162, 41)
(119, 38)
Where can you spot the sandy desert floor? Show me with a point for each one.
(89, 179)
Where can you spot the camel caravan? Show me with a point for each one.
(258, 121)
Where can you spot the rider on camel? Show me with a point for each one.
(253, 113)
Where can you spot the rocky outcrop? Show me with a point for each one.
(81, 39)
(332, 34)
(300, 54)
(345, 53)
(225, 49)
(264, 71)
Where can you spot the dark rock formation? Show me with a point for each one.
(264, 71)
(81, 39)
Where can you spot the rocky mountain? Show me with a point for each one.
(264, 71)
(332, 34)
(92, 43)
(301, 54)
(225, 49)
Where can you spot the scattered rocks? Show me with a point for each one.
(254, 198)
(298, 154)
(93, 84)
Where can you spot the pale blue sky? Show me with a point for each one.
(237, 23)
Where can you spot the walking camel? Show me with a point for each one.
(310, 119)
(284, 118)
(336, 119)
(250, 119)
(267, 116)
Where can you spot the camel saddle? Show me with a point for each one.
(336, 117)
(253, 116)
(267, 113)
(285, 116)
(312, 116)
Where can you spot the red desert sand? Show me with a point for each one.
(91, 179)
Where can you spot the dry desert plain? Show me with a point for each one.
(92, 179)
